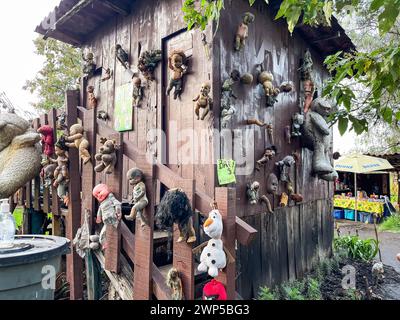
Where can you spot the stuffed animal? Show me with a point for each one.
(212, 258)
(214, 290)
(77, 140)
(177, 64)
(174, 282)
(284, 167)
(317, 137)
(47, 139)
(213, 226)
(109, 212)
(139, 197)
(20, 154)
(175, 208)
(91, 98)
(107, 156)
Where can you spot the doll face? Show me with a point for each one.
(205, 89)
(272, 183)
(177, 60)
(58, 151)
(135, 180)
(101, 192)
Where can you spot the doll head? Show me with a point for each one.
(45, 130)
(136, 81)
(205, 89)
(101, 192)
(135, 176)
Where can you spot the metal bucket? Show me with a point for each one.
(29, 268)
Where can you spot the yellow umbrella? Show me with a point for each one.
(359, 163)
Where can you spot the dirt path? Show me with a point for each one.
(389, 241)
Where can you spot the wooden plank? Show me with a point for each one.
(113, 235)
(183, 259)
(144, 242)
(225, 198)
(128, 241)
(160, 289)
(74, 262)
(245, 233)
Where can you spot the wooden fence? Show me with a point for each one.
(146, 278)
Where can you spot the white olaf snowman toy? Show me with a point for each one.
(213, 226)
(213, 258)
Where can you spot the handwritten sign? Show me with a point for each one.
(123, 111)
(226, 171)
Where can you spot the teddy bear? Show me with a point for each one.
(107, 156)
(212, 258)
(317, 137)
(77, 140)
(20, 154)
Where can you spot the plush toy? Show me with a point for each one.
(139, 198)
(297, 122)
(253, 192)
(317, 137)
(203, 101)
(91, 98)
(20, 154)
(77, 140)
(284, 167)
(267, 156)
(47, 139)
(109, 212)
(243, 31)
(137, 92)
(212, 258)
(107, 156)
(174, 282)
(213, 226)
(175, 208)
(177, 64)
(214, 290)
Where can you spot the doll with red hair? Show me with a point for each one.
(47, 140)
(109, 212)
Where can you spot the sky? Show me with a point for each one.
(19, 63)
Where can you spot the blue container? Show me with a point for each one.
(366, 217)
(349, 214)
(338, 214)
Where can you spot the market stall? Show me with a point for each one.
(361, 202)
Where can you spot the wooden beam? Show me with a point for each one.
(116, 7)
(74, 261)
(160, 289)
(245, 233)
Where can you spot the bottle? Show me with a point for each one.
(7, 224)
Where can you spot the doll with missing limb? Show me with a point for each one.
(77, 140)
(139, 197)
(109, 212)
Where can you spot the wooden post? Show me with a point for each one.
(74, 262)
(113, 235)
(183, 259)
(27, 227)
(55, 201)
(142, 277)
(36, 186)
(226, 200)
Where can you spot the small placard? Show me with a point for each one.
(123, 111)
(226, 171)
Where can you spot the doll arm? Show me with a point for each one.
(197, 98)
(320, 123)
(74, 137)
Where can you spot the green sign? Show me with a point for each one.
(226, 171)
(123, 111)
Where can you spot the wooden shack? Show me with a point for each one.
(177, 150)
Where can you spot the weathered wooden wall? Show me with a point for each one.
(292, 239)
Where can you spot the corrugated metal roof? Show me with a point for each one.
(74, 21)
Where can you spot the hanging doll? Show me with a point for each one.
(177, 63)
(148, 62)
(174, 282)
(47, 140)
(61, 173)
(243, 31)
(227, 108)
(253, 192)
(89, 67)
(109, 212)
(212, 258)
(284, 167)
(267, 156)
(203, 101)
(137, 92)
(91, 98)
(139, 198)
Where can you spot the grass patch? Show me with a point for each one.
(391, 223)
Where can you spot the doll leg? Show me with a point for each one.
(170, 86)
(207, 110)
(102, 237)
(197, 111)
(237, 43)
(181, 235)
(84, 153)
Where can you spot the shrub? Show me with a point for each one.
(358, 249)
(266, 294)
(391, 223)
(313, 289)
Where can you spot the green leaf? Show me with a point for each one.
(251, 2)
(343, 124)
(387, 114)
(376, 5)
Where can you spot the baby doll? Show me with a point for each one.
(243, 31)
(139, 198)
(61, 172)
(176, 62)
(203, 101)
(137, 93)
(109, 211)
